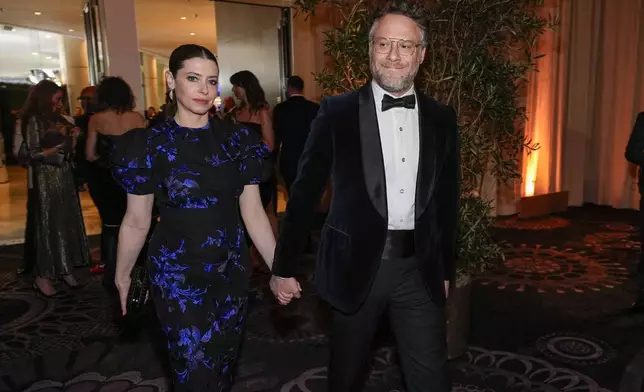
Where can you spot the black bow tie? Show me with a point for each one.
(407, 102)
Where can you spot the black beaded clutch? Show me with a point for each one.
(138, 290)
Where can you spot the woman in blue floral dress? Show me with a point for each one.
(203, 173)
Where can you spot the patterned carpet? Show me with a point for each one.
(550, 317)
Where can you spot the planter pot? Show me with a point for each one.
(458, 319)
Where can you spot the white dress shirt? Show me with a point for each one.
(399, 138)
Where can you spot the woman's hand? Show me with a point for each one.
(123, 286)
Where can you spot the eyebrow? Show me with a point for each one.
(198, 74)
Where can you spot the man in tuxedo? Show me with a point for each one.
(388, 244)
(292, 122)
(635, 155)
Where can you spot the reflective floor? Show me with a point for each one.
(13, 212)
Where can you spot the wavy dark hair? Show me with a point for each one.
(38, 103)
(113, 93)
(178, 57)
(254, 91)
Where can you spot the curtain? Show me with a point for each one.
(584, 100)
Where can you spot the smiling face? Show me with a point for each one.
(396, 53)
(195, 85)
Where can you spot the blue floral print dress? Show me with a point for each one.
(198, 256)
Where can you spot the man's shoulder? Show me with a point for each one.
(340, 101)
(439, 109)
(281, 105)
(312, 104)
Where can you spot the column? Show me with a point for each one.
(121, 44)
(162, 68)
(75, 71)
(150, 80)
(307, 43)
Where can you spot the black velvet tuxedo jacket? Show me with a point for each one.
(345, 143)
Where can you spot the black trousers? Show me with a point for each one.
(418, 324)
(108, 197)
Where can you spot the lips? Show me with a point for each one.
(201, 101)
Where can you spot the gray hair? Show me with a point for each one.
(407, 8)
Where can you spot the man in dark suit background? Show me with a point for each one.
(388, 243)
(635, 154)
(83, 169)
(292, 122)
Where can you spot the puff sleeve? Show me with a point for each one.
(132, 161)
(255, 164)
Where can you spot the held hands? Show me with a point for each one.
(285, 289)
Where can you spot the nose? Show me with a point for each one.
(203, 88)
(393, 54)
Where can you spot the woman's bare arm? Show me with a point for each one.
(133, 233)
(257, 223)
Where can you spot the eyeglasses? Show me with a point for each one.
(405, 47)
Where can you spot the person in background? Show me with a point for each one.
(635, 155)
(292, 122)
(114, 115)
(82, 167)
(55, 225)
(150, 113)
(254, 113)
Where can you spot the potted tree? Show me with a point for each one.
(479, 54)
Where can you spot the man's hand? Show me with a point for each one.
(447, 289)
(285, 289)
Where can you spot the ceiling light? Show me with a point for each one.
(37, 13)
(71, 30)
(34, 53)
(192, 33)
(48, 36)
(183, 18)
(48, 57)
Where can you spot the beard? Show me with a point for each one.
(393, 84)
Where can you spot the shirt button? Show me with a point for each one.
(401, 221)
(403, 159)
(400, 129)
(402, 191)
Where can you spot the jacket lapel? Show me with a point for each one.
(429, 161)
(372, 161)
